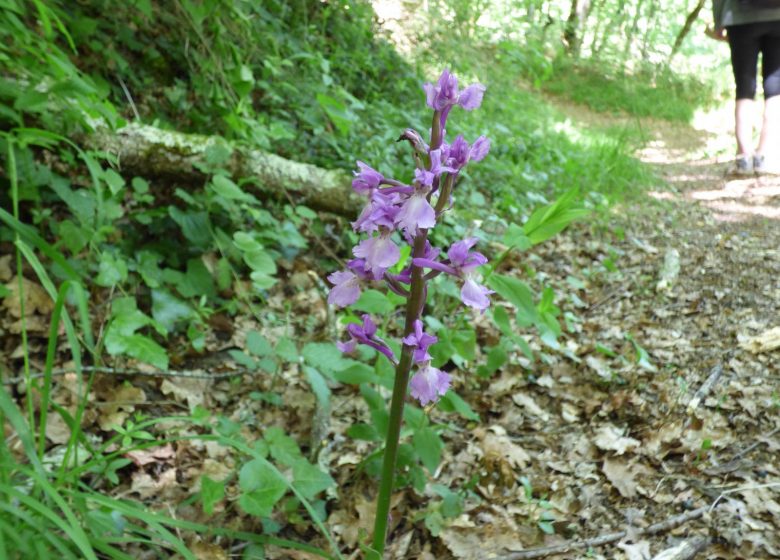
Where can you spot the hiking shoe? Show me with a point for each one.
(759, 164)
(761, 167)
(743, 166)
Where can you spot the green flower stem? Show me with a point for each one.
(413, 309)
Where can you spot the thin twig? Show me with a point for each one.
(192, 374)
(752, 446)
(705, 389)
(129, 98)
(743, 489)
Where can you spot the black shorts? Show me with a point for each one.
(746, 41)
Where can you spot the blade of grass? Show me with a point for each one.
(14, 180)
(51, 350)
(131, 510)
(74, 530)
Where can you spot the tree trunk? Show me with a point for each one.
(147, 151)
(572, 34)
(686, 28)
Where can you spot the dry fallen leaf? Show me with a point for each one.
(36, 299)
(765, 342)
(620, 476)
(610, 438)
(143, 457)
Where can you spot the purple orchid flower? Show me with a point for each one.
(463, 263)
(460, 153)
(416, 213)
(421, 341)
(366, 179)
(347, 283)
(445, 94)
(379, 252)
(379, 212)
(429, 383)
(365, 334)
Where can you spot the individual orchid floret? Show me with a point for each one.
(347, 283)
(445, 93)
(347, 347)
(366, 334)
(416, 213)
(345, 290)
(429, 383)
(463, 263)
(379, 252)
(463, 258)
(474, 295)
(460, 153)
(379, 212)
(421, 341)
(366, 179)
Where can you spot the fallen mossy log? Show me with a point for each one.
(151, 152)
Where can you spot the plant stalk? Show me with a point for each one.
(413, 308)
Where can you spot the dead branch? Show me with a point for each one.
(608, 538)
(148, 151)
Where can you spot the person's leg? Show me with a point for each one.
(744, 119)
(769, 143)
(744, 61)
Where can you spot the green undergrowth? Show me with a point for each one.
(647, 91)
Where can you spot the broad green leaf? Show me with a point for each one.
(337, 112)
(261, 487)
(452, 402)
(257, 344)
(111, 271)
(355, 374)
(194, 226)
(283, 448)
(428, 446)
(114, 181)
(286, 350)
(324, 356)
(197, 281)
(226, 188)
(137, 346)
(318, 385)
(549, 220)
(517, 293)
(211, 492)
(374, 302)
(168, 310)
(363, 431)
(309, 480)
(515, 237)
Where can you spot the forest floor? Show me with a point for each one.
(662, 406)
(624, 436)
